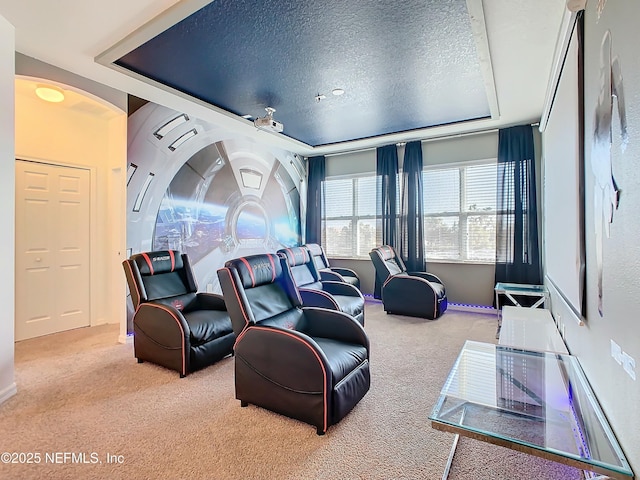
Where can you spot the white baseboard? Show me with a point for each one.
(125, 338)
(8, 392)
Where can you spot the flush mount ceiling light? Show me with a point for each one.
(49, 93)
(338, 91)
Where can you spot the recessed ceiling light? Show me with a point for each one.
(50, 93)
(337, 91)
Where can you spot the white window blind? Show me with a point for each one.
(350, 226)
(459, 214)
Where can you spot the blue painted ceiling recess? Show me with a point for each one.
(403, 65)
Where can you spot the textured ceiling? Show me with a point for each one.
(85, 38)
(403, 65)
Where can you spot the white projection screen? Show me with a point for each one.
(563, 224)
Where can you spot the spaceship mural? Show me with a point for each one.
(212, 196)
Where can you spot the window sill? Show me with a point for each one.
(438, 261)
(462, 262)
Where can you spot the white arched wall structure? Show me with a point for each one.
(156, 154)
(89, 132)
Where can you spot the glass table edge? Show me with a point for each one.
(520, 289)
(625, 469)
(550, 454)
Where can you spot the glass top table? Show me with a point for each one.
(524, 289)
(512, 290)
(535, 402)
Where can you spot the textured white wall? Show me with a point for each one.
(7, 208)
(616, 391)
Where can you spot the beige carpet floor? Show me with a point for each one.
(81, 392)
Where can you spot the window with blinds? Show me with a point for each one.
(459, 214)
(350, 224)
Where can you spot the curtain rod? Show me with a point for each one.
(443, 137)
(431, 139)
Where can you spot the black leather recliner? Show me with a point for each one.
(307, 363)
(328, 272)
(334, 295)
(415, 294)
(174, 325)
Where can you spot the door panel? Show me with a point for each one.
(52, 249)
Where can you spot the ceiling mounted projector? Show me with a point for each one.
(268, 123)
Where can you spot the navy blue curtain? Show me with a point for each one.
(315, 194)
(387, 194)
(411, 223)
(517, 246)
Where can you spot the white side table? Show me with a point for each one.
(514, 291)
(530, 330)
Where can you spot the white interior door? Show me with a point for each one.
(52, 249)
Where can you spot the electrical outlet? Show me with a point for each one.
(616, 352)
(209, 287)
(623, 358)
(629, 364)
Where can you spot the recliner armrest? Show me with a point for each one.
(330, 276)
(162, 323)
(210, 301)
(298, 355)
(409, 286)
(341, 288)
(333, 324)
(318, 298)
(344, 271)
(426, 275)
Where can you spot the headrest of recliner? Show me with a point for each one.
(295, 255)
(386, 252)
(154, 263)
(314, 249)
(256, 270)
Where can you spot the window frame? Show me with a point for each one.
(353, 218)
(462, 215)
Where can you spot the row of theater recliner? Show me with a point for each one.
(298, 340)
(294, 324)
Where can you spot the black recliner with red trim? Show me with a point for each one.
(307, 363)
(415, 294)
(327, 272)
(315, 292)
(174, 325)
